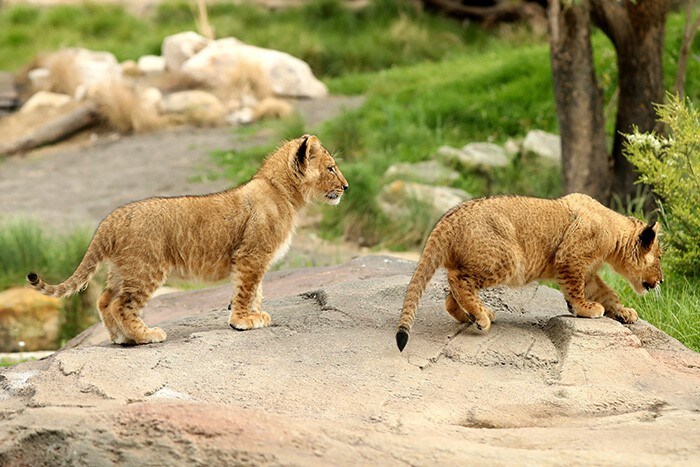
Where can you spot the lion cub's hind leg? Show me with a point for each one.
(108, 319)
(126, 309)
(466, 297)
(456, 311)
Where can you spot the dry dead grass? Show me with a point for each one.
(247, 79)
(63, 74)
(272, 107)
(120, 106)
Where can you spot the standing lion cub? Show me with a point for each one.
(236, 233)
(516, 240)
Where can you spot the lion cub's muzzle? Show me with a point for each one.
(334, 196)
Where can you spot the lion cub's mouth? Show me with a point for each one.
(333, 197)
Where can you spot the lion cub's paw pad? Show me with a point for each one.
(251, 321)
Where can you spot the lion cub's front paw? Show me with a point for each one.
(625, 315)
(250, 321)
(155, 335)
(592, 310)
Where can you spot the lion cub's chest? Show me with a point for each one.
(283, 248)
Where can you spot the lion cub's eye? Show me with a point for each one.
(330, 169)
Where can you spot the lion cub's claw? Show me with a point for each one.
(251, 321)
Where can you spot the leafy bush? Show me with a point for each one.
(671, 165)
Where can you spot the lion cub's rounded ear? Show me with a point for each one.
(307, 146)
(646, 238)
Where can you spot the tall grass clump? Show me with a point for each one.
(671, 166)
(674, 310)
(26, 246)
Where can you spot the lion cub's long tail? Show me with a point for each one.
(94, 255)
(430, 260)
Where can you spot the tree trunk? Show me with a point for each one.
(585, 159)
(637, 31)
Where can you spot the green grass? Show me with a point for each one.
(28, 246)
(676, 310)
(333, 40)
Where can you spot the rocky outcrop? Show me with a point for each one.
(325, 385)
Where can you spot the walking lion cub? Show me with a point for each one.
(516, 240)
(236, 233)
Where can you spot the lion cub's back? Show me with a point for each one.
(516, 235)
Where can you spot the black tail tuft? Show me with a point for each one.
(401, 339)
(33, 278)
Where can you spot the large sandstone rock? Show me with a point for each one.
(325, 385)
(29, 320)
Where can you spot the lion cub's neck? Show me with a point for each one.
(278, 172)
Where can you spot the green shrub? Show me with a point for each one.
(671, 165)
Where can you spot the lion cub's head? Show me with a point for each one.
(321, 177)
(641, 264)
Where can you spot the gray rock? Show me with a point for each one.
(326, 385)
(482, 155)
(543, 144)
(431, 172)
(397, 197)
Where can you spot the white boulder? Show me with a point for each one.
(179, 47)
(288, 75)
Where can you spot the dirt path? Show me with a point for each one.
(78, 186)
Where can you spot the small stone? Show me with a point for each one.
(396, 197)
(151, 64)
(543, 144)
(430, 172)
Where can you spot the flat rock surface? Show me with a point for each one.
(326, 385)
